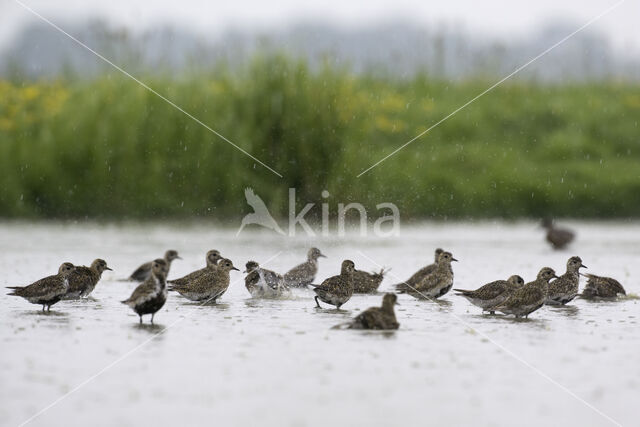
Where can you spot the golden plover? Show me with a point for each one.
(143, 272)
(304, 274)
(47, 291)
(336, 290)
(150, 295)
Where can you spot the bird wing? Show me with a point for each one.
(143, 289)
(80, 279)
(141, 272)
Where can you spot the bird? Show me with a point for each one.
(260, 214)
(150, 295)
(601, 287)
(211, 259)
(492, 294)
(565, 288)
(210, 285)
(143, 272)
(530, 297)
(422, 273)
(434, 285)
(47, 291)
(378, 318)
(336, 290)
(559, 238)
(263, 283)
(365, 282)
(304, 274)
(83, 280)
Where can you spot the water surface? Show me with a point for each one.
(263, 362)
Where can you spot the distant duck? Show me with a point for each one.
(602, 287)
(377, 318)
(565, 288)
(150, 295)
(487, 297)
(143, 272)
(263, 283)
(304, 274)
(336, 290)
(83, 280)
(365, 282)
(530, 297)
(260, 214)
(47, 291)
(210, 285)
(211, 259)
(434, 285)
(559, 238)
(422, 273)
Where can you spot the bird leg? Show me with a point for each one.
(140, 315)
(317, 303)
(152, 314)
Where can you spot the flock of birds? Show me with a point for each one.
(206, 285)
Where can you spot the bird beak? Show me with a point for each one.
(322, 255)
(107, 268)
(583, 266)
(453, 259)
(233, 268)
(178, 257)
(397, 303)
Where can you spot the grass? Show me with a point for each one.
(107, 148)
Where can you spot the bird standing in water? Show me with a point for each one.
(83, 280)
(378, 318)
(492, 294)
(559, 238)
(143, 272)
(150, 295)
(304, 274)
(47, 291)
(337, 290)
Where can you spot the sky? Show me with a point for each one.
(493, 18)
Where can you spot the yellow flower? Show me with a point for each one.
(30, 93)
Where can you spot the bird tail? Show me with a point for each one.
(382, 272)
(401, 288)
(342, 326)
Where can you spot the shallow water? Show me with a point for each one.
(249, 362)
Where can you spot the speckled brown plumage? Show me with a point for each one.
(565, 288)
(436, 284)
(420, 274)
(378, 318)
(365, 282)
(602, 287)
(83, 280)
(492, 294)
(530, 297)
(150, 295)
(211, 259)
(336, 290)
(304, 274)
(47, 291)
(143, 272)
(210, 285)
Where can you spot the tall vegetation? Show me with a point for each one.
(108, 148)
